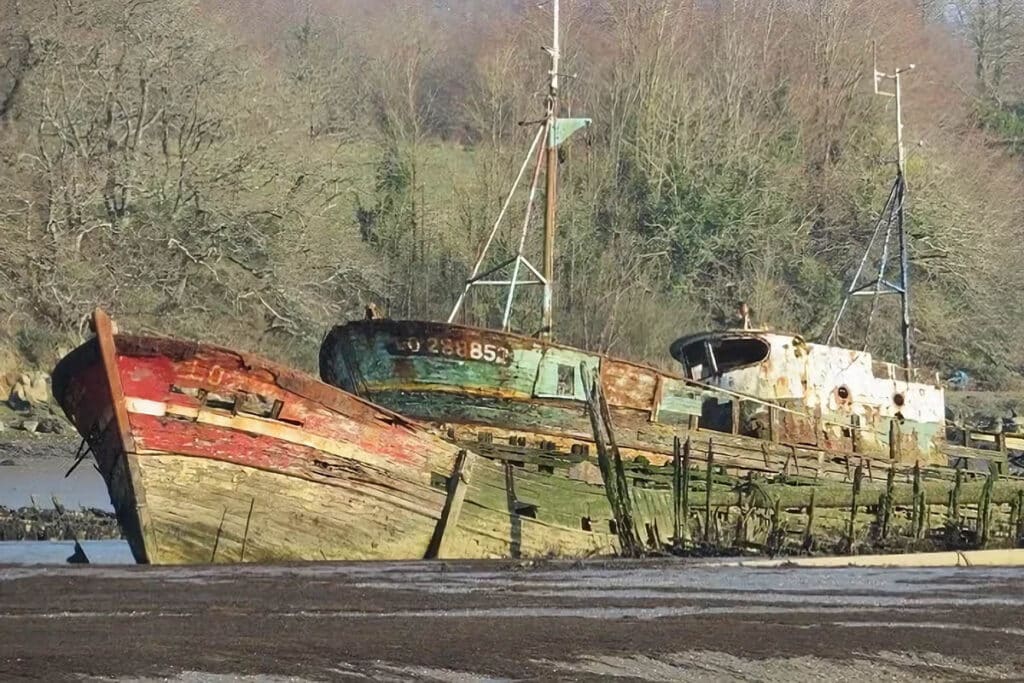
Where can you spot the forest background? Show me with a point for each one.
(251, 172)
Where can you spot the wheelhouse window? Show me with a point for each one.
(731, 354)
(566, 380)
(709, 357)
(698, 363)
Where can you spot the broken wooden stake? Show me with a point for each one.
(708, 484)
(610, 463)
(858, 476)
(677, 492)
(457, 484)
(809, 531)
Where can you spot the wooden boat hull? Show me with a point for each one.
(471, 381)
(210, 456)
(215, 456)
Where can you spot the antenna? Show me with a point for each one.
(892, 218)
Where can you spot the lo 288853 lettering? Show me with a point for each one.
(454, 348)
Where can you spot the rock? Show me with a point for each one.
(50, 425)
(78, 557)
(7, 463)
(3, 426)
(31, 389)
(30, 426)
(7, 382)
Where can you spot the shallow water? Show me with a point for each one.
(43, 479)
(57, 552)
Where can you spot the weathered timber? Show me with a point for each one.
(808, 543)
(1018, 530)
(985, 508)
(885, 504)
(610, 463)
(708, 488)
(858, 477)
(454, 500)
(685, 503)
(677, 493)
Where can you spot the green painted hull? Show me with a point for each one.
(461, 376)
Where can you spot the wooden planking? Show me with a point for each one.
(158, 370)
(628, 385)
(200, 509)
(108, 358)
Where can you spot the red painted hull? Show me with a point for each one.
(248, 434)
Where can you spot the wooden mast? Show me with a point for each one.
(551, 178)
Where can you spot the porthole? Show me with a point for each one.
(843, 392)
(898, 399)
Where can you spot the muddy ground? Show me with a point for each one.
(590, 621)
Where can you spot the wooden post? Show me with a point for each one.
(985, 507)
(858, 476)
(612, 473)
(1019, 531)
(1014, 519)
(954, 498)
(734, 407)
(917, 510)
(809, 531)
(926, 515)
(685, 514)
(775, 537)
(677, 491)
(886, 502)
(708, 485)
(1001, 464)
(441, 540)
(773, 424)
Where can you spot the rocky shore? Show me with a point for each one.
(35, 437)
(57, 524)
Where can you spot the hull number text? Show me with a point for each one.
(454, 348)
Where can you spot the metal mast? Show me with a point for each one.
(892, 218)
(551, 177)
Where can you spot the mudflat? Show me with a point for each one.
(662, 620)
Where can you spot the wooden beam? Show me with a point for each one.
(457, 485)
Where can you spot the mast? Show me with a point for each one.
(892, 218)
(901, 189)
(551, 178)
(551, 133)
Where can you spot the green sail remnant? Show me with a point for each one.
(564, 128)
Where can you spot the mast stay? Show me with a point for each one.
(554, 132)
(892, 219)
